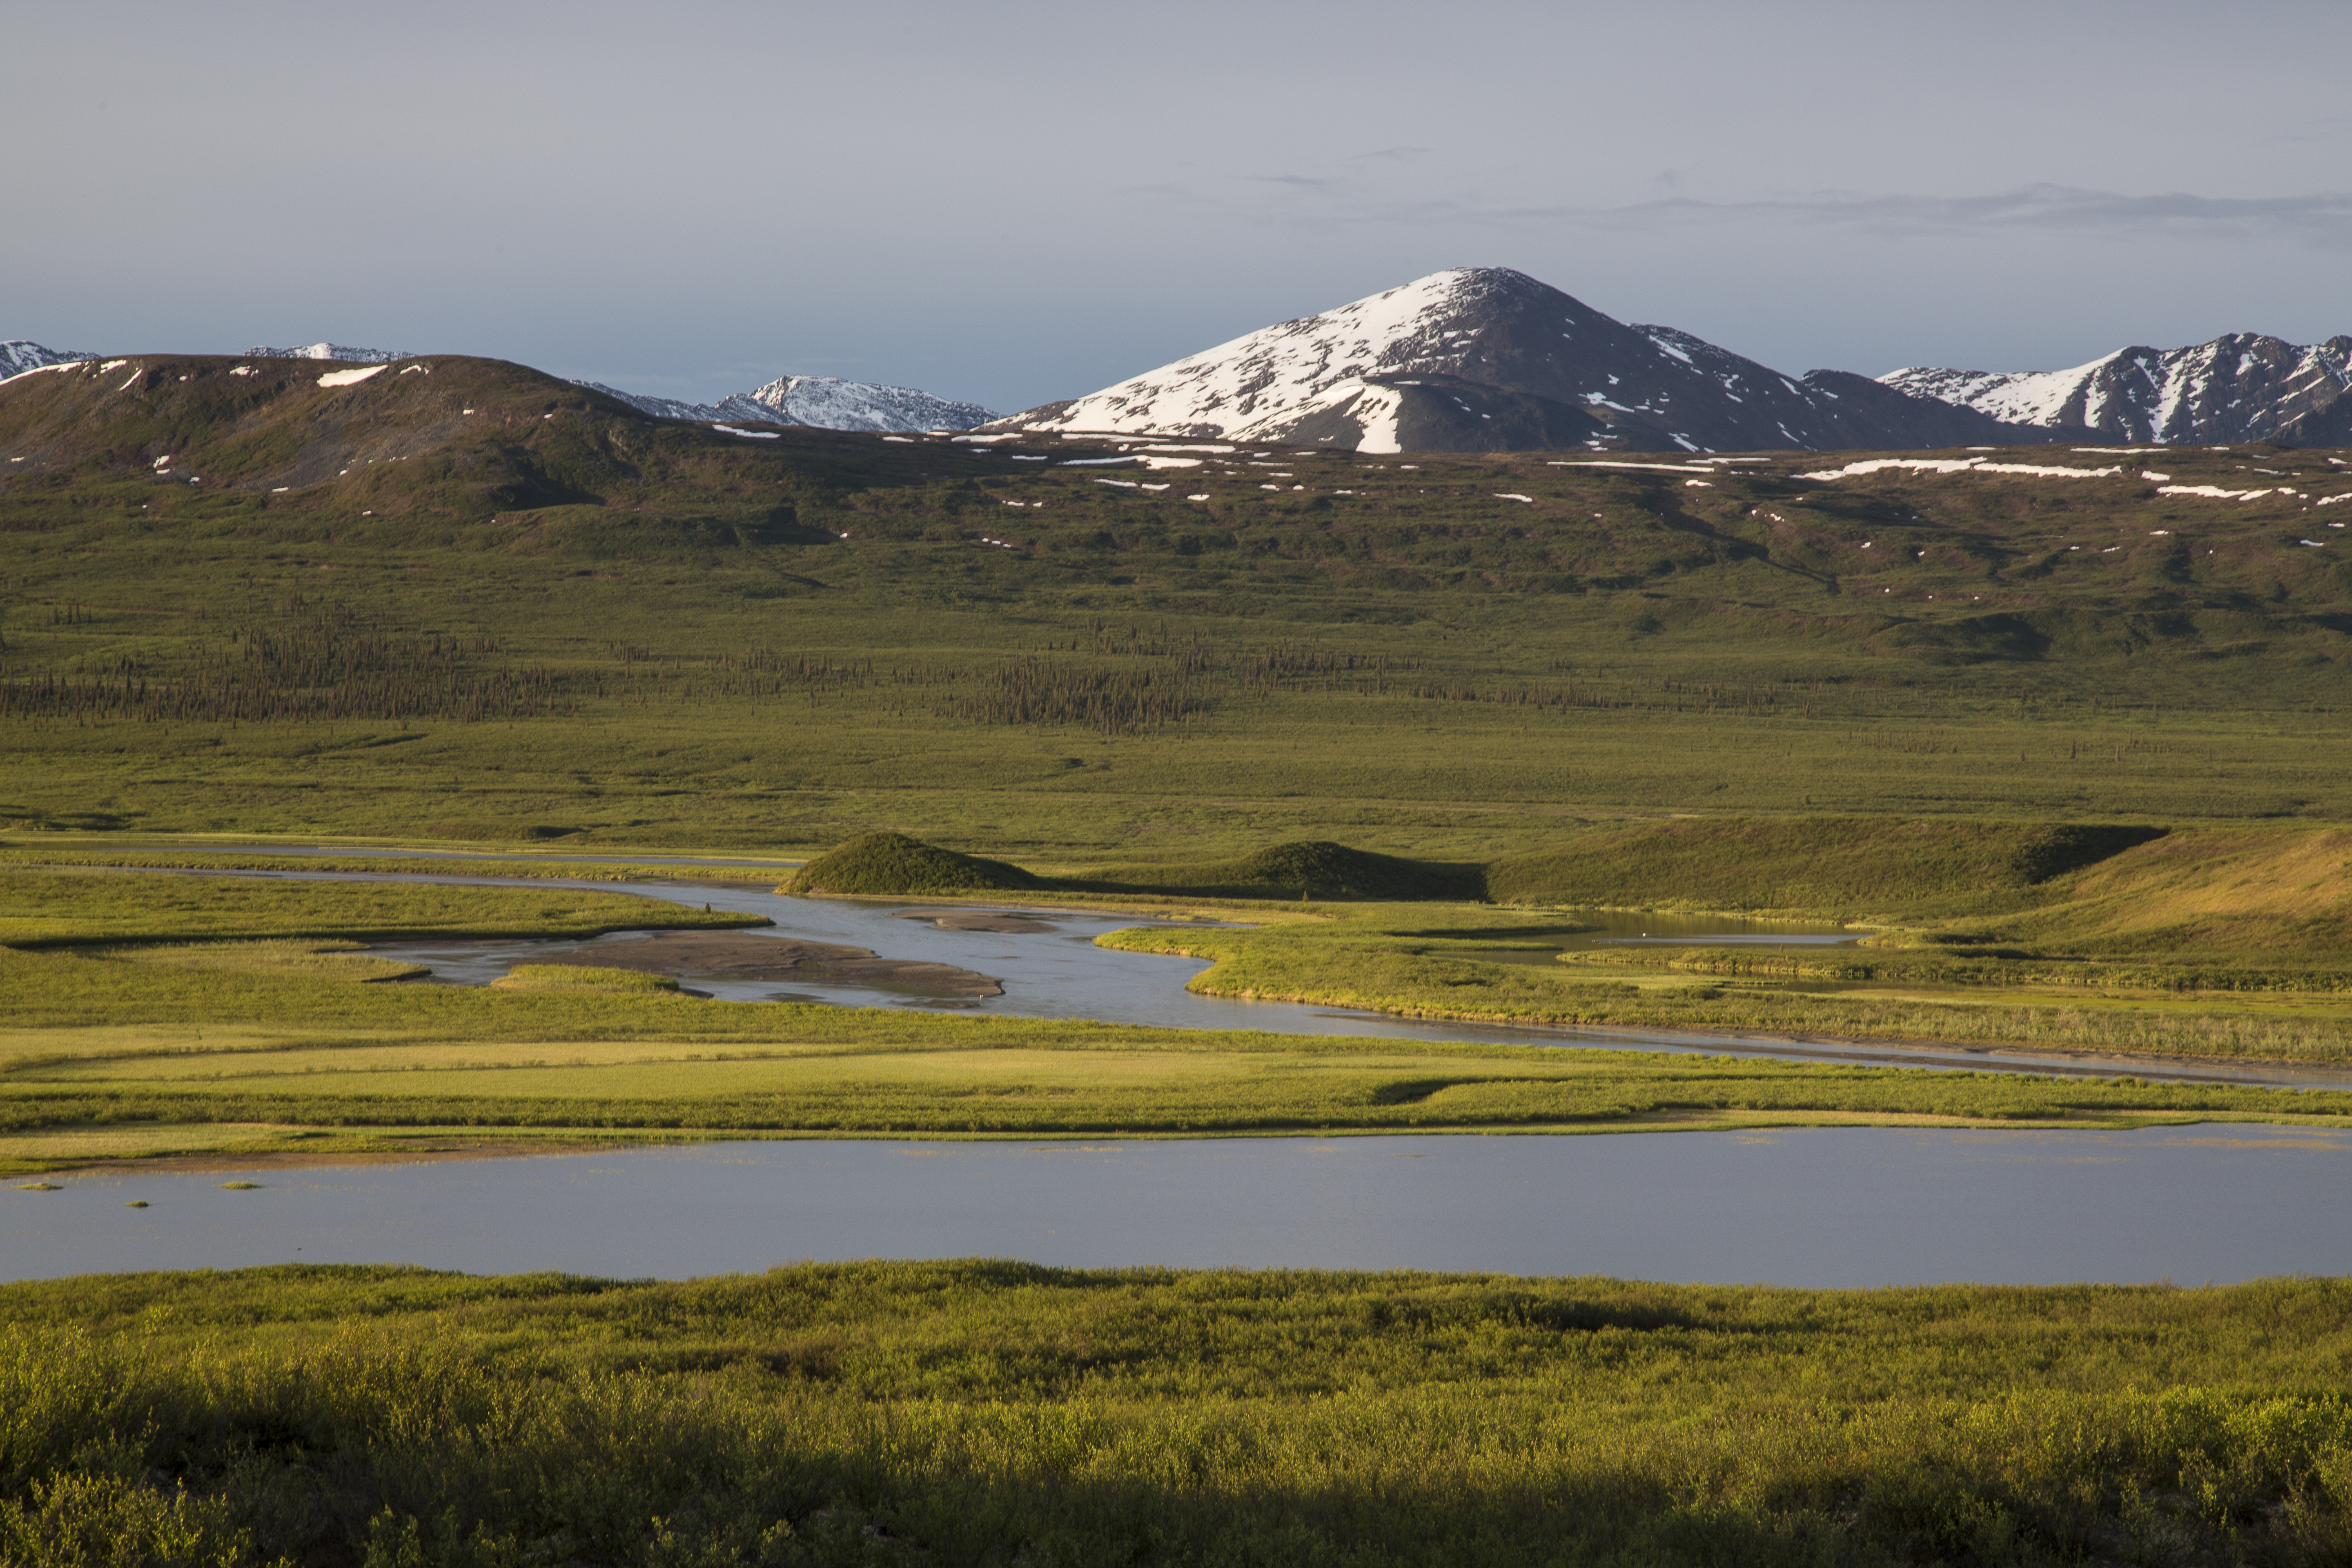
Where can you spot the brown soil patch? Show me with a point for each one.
(730, 955)
(976, 920)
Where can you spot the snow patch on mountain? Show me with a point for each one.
(1372, 410)
(17, 356)
(1290, 369)
(833, 405)
(2025, 397)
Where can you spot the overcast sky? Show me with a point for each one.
(1017, 201)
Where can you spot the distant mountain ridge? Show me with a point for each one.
(332, 350)
(2243, 386)
(1487, 359)
(821, 401)
(17, 356)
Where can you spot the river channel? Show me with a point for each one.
(1056, 972)
(1854, 1206)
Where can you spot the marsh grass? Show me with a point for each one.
(1439, 961)
(325, 959)
(282, 923)
(584, 978)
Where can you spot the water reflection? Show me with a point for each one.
(1810, 1207)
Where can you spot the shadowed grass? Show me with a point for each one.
(994, 1412)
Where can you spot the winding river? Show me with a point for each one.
(1058, 972)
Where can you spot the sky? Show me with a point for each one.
(1012, 203)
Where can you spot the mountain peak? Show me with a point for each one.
(1489, 359)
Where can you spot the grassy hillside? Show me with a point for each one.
(1831, 867)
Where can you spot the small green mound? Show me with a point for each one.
(1822, 865)
(891, 865)
(1312, 869)
(240, 1186)
(583, 977)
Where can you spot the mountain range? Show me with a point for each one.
(2240, 387)
(818, 400)
(821, 401)
(332, 350)
(1487, 359)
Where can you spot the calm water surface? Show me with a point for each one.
(1812, 1207)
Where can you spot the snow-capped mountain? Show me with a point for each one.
(2240, 387)
(1486, 359)
(17, 356)
(331, 351)
(726, 410)
(821, 401)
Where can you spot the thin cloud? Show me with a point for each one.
(2318, 220)
(2322, 218)
(1392, 155)
(2327, 128)
(1296, 182)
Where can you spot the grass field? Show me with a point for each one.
(989, 1411)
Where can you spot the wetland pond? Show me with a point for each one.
(1812, 1207)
